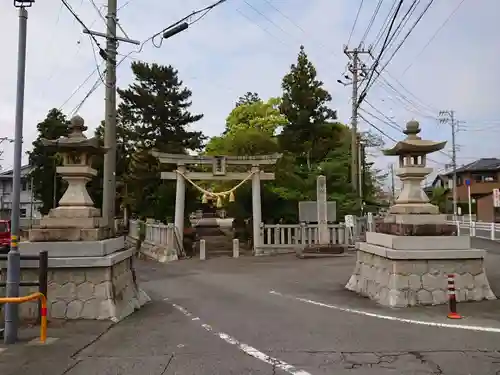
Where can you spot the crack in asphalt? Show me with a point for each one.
(351, 360)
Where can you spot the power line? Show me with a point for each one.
(404, 20)
(384, 26)
(96, 85)
(263, 29)
(394, 124)
(355, 22)
(419, 108)
(294, 23)
(96, 62)
(369, 84)
(203, 11)
(440, 28)
(79, 88)
(378, 129)
(102, 52)
(388, 136)
(372, 20)
(407, 34)
(382, 49)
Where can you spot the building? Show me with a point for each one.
(28, 204)
(484, 176)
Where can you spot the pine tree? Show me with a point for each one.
(156, 107)
(44, 161)
(154, 112)
(304, 104)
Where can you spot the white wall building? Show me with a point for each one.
(28, 204)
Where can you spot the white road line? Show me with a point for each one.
(2, 350)
(388, 317)
(247, 349)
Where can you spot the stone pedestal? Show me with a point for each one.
(70, 223)
(402, 271)
(83, 286)
(91, 276)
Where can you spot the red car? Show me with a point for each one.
(4, 236)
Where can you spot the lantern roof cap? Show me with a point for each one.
(413, 143)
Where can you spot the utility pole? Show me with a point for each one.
(393, 187)
(357, 69)
(109, 178)
(13, 257)
(448, 117)
(361, 168)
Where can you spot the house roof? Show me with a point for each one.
(8, 173)
(484, 164)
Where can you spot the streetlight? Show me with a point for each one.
(13, 258)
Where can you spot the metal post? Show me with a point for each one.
(13, 260)
(43, 265)
(109, 188)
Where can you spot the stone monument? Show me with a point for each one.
(406, 261)
(91, 276)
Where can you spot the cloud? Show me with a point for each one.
(249, 45)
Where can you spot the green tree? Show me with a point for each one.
(45, 160)
(155, 113)
(259, 115)
(304, 104)
(439, 197)
(156, 106)
(248, 98)
(243, 142)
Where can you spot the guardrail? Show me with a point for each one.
(42, 283)
(43, 310)
(490, 231)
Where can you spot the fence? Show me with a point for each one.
(490, 231)
(462, 218)
(273, 236)
(299, 235)
(156, 235)
(42, 283)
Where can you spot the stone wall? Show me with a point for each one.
(104, 293)
(402, 283)
(160, 253)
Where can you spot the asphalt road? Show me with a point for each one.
(484, 234)
(282, 315)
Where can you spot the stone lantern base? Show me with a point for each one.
(78, 223)
(83, 285)
(403, 271)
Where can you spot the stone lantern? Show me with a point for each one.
(407, 260)
(77, 152)
(91, 275)
(76, 218)
(412, 170)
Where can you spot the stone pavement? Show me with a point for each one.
(273, 315)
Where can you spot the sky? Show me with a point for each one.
(249, 45)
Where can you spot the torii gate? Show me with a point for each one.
(219, 172)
